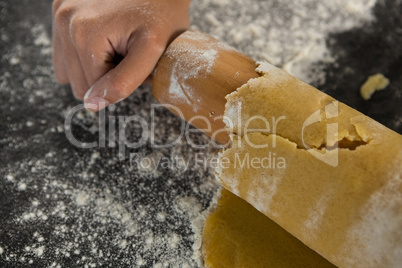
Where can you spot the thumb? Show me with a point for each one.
(126, 77)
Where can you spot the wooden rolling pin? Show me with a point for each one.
(193, 77)
(339, 192)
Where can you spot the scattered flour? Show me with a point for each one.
(41, 38)
(81, 198)
(82, 211)
(88, 208)
(372, 233)
(289, 34)
(198, 60)
(10, 177)
(191, 207)
(14, 61)
(22, 186)
(39, 251)
(315, 217)
(161, 216)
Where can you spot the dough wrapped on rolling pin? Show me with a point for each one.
(326, 173)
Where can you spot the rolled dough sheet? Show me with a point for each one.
(345, 203)
(238, 235)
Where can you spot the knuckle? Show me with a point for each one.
(82, 32)
(56, 5)
(78, 32)
(155, 42)
(62, 16)
(160, 47)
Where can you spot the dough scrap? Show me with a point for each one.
(372, 84)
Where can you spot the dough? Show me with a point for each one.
(326, 173)
(373, 83)
(238, 235)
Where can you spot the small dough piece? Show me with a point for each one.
(349, 209)
(238, 235)
(372, 84)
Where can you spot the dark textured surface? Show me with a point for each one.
(370, 49)
(42, 173)
(35, 152)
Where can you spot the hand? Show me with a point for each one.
(88, 37)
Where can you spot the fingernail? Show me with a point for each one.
(87, 94)
(95, 103)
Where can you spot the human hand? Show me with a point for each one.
(88, 37)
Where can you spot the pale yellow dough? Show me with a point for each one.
(373, 83)
(238, 235)
(348, 209)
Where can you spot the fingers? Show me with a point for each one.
(80, 56)
(67, 64)
(96, 61)
(58, 59)
(148, 81)
(87, 34)
(74, 70)
(122, 80)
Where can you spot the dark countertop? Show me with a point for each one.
(62, 205)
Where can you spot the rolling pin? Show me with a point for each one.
(193, 77)
(348, 209)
